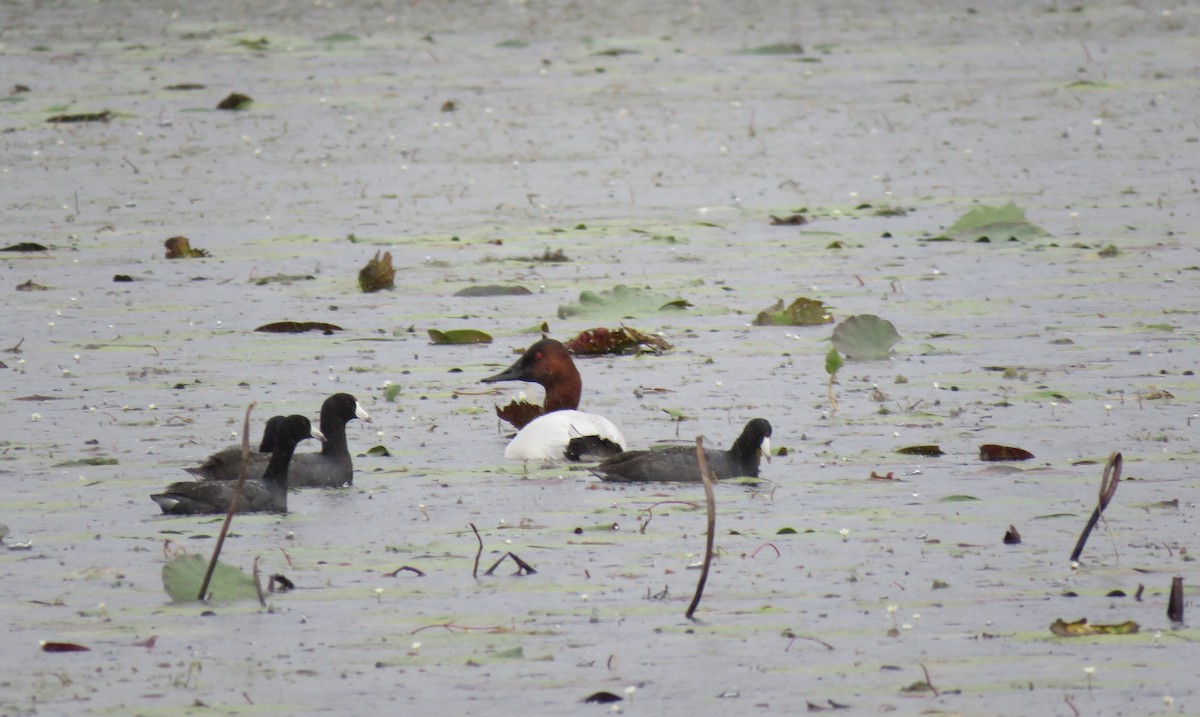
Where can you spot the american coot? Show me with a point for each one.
(268, 493)
(331, 468)
(547, 436)
(679, 464)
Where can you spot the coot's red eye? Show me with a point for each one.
(537, 356)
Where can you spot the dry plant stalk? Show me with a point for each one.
(712, 526)
(237, 494)
(1108, 487)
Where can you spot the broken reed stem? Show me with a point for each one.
(1108, 487)
(832, 399)
(237, 493)
(712, 526)
(478, 552)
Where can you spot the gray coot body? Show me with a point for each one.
(679, 464)
(331, 468)
(265, 493)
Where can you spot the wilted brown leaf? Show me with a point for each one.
(993, 452)
(181, 248)
(802, 312)
(624, 340)
(377, 274)
(1080, 628)
(235, 101)
(299, 327)
(519, 413)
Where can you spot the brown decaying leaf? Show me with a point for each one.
(299, 327)
(181, 248)
(624, 340)
(519, 413)
(377, 274)
(235, 101)
(25, 246)
(927, 451)
(1080, 628)
(801, 312)
(603, 698)
(789, 220)
(1011, 536)
(63, 647)
(102, 116)
(994, 452)
(31, 286)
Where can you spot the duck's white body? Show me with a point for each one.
(546, 437)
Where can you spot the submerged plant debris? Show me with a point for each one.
(180, 247)
(622, 340)
(183, 575)
(458, 336)
(235, 101)
(101, 116)
(299, 327)
(996, 452)
(1081, 628)
(378, 273)
(801, 312)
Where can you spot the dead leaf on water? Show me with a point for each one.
(458, 336)
(63, 647)
(235, 101)
(802, 312)
(620, 301)
(31, 286)
(994, 452)
(927, 451)
(493, 290)
(1081, 628)
(102, 116)
(26, 246)
(623, 340)
(519, 412)
(377, 274)
(299, 327)
(792, 220)
(180, 247)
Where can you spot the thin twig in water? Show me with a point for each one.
(405, 568)
(929, 682)
(650, 511)
(1108, 487)
(475, 569)
(712, 526)
(262, 600)
(523, 568)
(793, 638)
(767, 545)
(1067, 699)
(451, 627)
(237, 493)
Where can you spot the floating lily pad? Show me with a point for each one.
(865, 337)
(377, 274)
(777, 48)
(620, 301)
(1081, 628)
(624, 340)
(299, 327)
(995, 224)
(184, 574)
(458, 336)
(493, 290)
(801, 312)
(181, 248)
(993, 452)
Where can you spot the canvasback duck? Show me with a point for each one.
(547, 437)
(331, 468)
(268, 493)
(679, 464)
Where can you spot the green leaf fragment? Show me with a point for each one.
(184, 574)
(865, 337)
(996, 224)
(458, 336)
